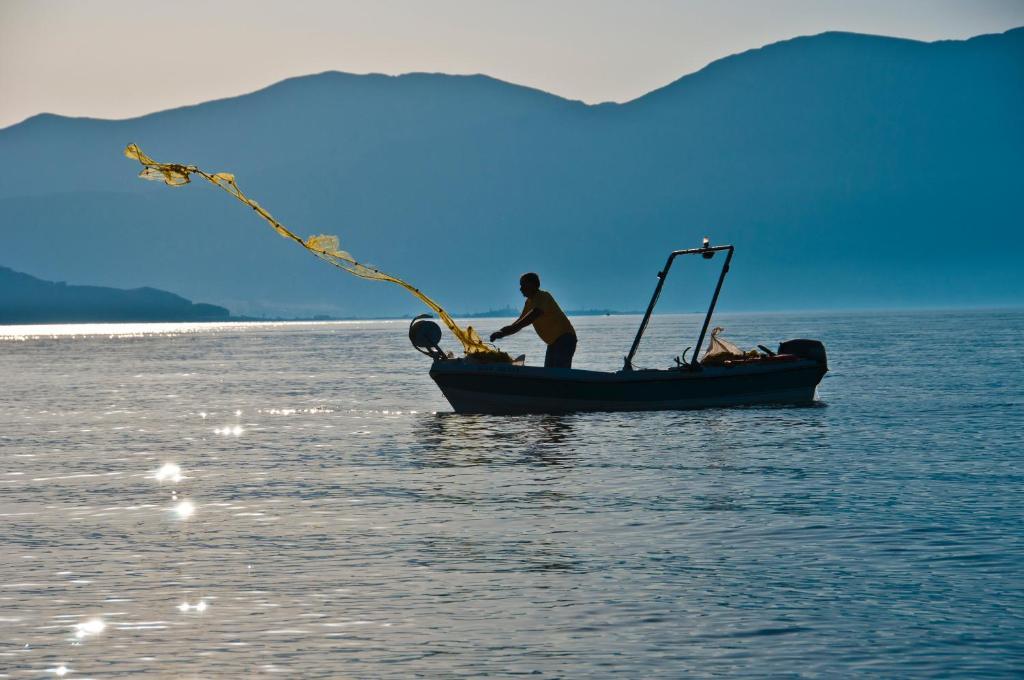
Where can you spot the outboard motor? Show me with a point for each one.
(425, 336)
(805, 349)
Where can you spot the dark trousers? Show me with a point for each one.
(559, 354)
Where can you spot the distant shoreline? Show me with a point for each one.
(319, 318)
(26, 300)
(488, 315)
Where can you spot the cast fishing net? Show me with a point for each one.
(325, 247)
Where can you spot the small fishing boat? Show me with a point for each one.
(789, 375)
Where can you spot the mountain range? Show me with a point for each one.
(848, 170)
(25, 299)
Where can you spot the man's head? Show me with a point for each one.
(529, 283)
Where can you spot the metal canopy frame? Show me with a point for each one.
(708, 252)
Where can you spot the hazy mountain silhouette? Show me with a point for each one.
(849, 170)
(26, 299)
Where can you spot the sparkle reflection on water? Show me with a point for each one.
(220, 500)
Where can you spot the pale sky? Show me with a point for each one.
(124, 58)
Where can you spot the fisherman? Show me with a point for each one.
(548, 320)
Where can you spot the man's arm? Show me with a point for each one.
(519, 324)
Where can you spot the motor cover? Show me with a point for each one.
(807, 349)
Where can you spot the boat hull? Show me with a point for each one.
(505, 389)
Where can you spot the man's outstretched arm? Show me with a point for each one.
(518, 325)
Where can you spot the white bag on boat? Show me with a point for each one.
(721, 350)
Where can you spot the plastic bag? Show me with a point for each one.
(721, 350)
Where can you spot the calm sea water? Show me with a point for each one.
(237, 500)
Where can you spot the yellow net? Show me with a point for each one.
(325, 247)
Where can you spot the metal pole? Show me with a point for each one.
(711, 309)
(662, 275)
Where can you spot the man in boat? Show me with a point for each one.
(547, 319)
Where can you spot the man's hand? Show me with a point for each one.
(507, 330)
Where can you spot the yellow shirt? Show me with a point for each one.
(553, 323)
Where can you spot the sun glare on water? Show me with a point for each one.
(90, 627)
(184, 509)
(198, 606)
(169, 472)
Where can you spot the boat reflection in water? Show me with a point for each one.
(448, 440)
(789, 375)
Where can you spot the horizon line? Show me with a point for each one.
(1014, 307)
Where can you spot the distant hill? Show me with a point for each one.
(849, 170)
(25, 299)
